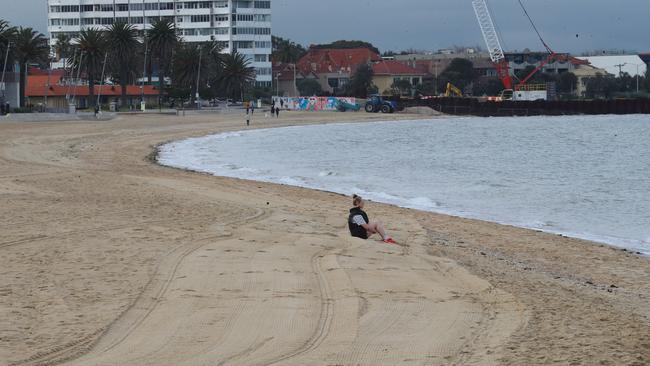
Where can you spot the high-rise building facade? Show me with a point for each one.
(240, 25)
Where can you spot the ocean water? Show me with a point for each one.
(581, 176)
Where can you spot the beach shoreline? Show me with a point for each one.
(105, 251)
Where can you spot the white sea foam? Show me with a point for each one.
(580, 176)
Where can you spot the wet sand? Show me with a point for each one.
(109, 259)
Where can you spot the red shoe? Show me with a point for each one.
(390, 241)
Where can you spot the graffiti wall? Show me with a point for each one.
(312, 103)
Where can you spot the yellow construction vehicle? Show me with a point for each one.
(453, 91)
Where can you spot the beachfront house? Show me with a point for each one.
(55, 91)
(388, 73)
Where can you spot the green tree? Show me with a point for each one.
(487, 86)
(460, 73)
(236, 76)
(30, 47)
(309, 87)
(123, 39)
(601, 86)
(7, 35)
(343, 44)
(286, 51)
(197, 61)
(162, 41)
(62, 46)
(93, 49)
(361, 83)
(401, 87)
(567, 82)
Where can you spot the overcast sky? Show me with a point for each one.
(567, 25)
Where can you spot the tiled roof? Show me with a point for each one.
(37, 87)
(394, 68)
(329, 60)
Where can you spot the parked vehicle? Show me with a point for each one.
(378, 104)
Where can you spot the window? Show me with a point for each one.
(200, 18)
(74, 21)
(221, 18)
(245, 17)
(151, 6)
(122, 7)
(205, 5)
(263, 4)
(242, 44)
(261, 58)
(88, 21)
(262, 17)
(263, 71)
(220, 4)
(166, 6)
(106, 21)
(333, 82)
(106, 7)
(69, 9)
(87, 8)
(252, 31)
(221, 30)
(135, 6)
(243, 4)
(136, 20)
(262, 44)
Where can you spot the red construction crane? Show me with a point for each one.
(496, 51)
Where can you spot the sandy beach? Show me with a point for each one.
(107, 258)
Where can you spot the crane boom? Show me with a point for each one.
(492, 41)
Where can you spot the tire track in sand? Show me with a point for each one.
(326, 316)
(133, 316)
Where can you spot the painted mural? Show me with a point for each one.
(312, 103)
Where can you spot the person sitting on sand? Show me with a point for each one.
(361, 227)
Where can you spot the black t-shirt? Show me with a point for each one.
(355, 221)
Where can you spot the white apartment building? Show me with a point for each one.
(241, 25)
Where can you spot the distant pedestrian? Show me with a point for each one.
(272, 109)
(96, 110)
(281, 103)
(252, 107)
(277, 112)
(247, 105)
(248, 119)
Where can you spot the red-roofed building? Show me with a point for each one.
(332, 67)
(388, 72)
(57, 91)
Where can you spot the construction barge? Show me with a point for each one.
(477, 107)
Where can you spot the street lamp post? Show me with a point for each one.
(198, 75)
(295, 87)
(4, 68)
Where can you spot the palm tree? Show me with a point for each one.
(30, 47)
(236, 75)
(192, 58)
(162, 40)
(7, 35)
(286, 51)
(62, 46)
(123, 39)
(93, 47)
